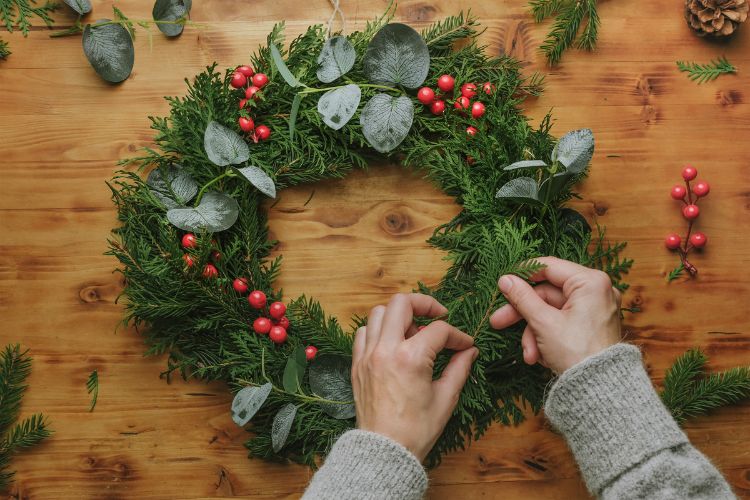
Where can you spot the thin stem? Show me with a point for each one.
(311, 90)
(78, 27)
(228, 173)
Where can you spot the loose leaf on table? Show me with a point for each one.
(397, 55)
(282, 423)
(171, 11)
(294, 371)
(248, 401)
(574, 150)
(278, 61)
(81, 7)
(330, 378)
(386, 120)
(109, 49)
(216, 212)
(258, 178)
(335, 59)
(520, 189)
(172, 185)
(337, 106)
(224, 146)
(525, 164)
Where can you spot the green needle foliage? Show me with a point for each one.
(702, 73)
(17, 14)
(570, 16)
(15, 366)
(204, 326)
(689, 392)
(92, 387)
(4, 50)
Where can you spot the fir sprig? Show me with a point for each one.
(675, 273)
(701, 73)
(570, 15)
(92, 387)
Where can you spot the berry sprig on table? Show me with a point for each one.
(446, 84)
(689, 194)
(251, 84)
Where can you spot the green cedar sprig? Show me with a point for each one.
(17, 14)
(4, 50)
(701, 73)
(676, 273)
(570, 15)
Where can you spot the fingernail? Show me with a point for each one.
(505, 284)
(475, 355)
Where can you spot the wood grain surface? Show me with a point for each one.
(62, 130)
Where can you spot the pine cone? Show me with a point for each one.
(715, 18)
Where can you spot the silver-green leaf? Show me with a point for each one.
(248, 401)
(171, 11)
(294, 371)
(216, 212)
(520, 189)
(224, 146)
(552, 186)
(109, 50)
(525, 164)
(386, 121)
(337, 106)
(81, 7)
(397, 55)
(172, 185)
(258, 178)
(330, 378)
(282, 68)
(335, 59)
(575, 150)
(282, 424)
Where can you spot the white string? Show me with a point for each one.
(336, 9)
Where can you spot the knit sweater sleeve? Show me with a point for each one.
(626, 443)
(368, 466)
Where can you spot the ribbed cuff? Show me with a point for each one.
(610, 414)
(366, 465)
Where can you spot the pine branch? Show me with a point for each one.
(702, 73)
(675, 273)
(92, 387)
(26, 434)
(570, 15)
(15, 366)
(4, 50)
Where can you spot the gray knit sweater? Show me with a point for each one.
(625, 442)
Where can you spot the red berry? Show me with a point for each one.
(690, 212)
(260, 80)
(262, 132)
(470, 160)
(238, 80)
(240, 285)
(678, 192)
(477, 109)
(262, 326)
(437, 107)
(277, 310)
(426, 95)
(488, 88)
(246, 124)
(698, 240)
(673, 241)
(245, 70)
(472, 131)
(210, 271)
(189, 261)
(310, 352)
(242, 103)
(189, 241)
(701, 188)
(468, 90)
(277, 334)
(283, 321)
(446, 83)
(215, 255)
(252, 92)
(462, 103)
(689, 173)
(257, 299)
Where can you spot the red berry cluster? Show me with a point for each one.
(250, 83)
(462, 104)
(190, 242)
(689, 195)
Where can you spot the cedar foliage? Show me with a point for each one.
(205, 327)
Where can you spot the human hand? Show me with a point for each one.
(572, 316)
(392, 366)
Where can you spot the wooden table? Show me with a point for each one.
(62, 129)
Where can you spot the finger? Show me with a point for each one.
(447, 389)
(618, 297)
(557, 271)
(358, 349)
(439, 335)
(400, 312)
(507, 315)
(527, 303)
(374, 325)
(531, 353)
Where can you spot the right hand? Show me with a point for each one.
(572, 316)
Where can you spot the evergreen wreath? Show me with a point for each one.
(193, 238)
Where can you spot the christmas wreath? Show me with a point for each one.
(193, 240)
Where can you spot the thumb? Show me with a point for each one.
(523, 299)
(448, 387)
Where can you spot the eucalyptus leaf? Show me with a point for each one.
(552, 186)
(337, 106)
(216, 212)
(248, 401)
(109, 49)
(171, 10)
(293, 114)
(575, 150)
(294, 371)
(224, 146)
(258, 178)
(525, 164)
(386, 121)
(172, 185)
(520, 189)
(330, 378)
(335, 59)
(282, 424)
(573, 223)
(397, 55)
(81, 7)
(278, 61)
